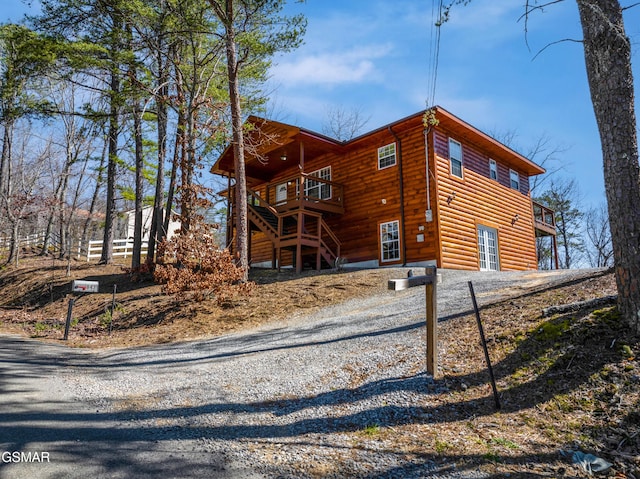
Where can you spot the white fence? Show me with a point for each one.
(29, 240)
(121, 248)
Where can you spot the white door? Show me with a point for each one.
(488, 249)
(281, 193)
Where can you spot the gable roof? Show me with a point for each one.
(269, 142)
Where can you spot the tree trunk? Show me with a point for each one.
(179, 146)
(14, 248)
(608, 61)
(110, 217)
(137, 225)
(5, 156)
(242, 233)
(84, 237)
(158, 201)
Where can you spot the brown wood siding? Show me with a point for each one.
(478, 200)
(371, 196)
(473, 160)
(451, 238)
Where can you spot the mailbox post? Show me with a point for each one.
(429, 280)
(78, 287)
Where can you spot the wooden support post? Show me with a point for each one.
(318, 257)
(430, 280)
(299, 242)
(432, 322)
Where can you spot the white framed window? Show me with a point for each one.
(514, 180)
(455, 157)
(390, 241)
(386, 156)
(318, 189)
(488, 248)
(493, 170)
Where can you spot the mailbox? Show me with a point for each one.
(80, 286)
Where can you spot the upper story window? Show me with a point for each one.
(386, 156)
(493, 170)
(455, 157)
(514, 180)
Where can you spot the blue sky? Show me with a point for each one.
(375, 55)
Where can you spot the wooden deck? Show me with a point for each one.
(544, 219)
(306, 192)
(301, 230)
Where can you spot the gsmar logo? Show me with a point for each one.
(22, 456)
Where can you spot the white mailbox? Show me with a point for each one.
(80, 286)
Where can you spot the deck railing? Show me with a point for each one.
(307, 192)
(544, 218)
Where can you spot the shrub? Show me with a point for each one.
(192, 265)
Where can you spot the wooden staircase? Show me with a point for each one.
(302, 231)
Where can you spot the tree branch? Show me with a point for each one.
(555, 43)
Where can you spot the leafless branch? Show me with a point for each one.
(555, 43)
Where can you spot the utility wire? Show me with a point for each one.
(434, 50)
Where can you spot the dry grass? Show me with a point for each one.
(566, 382)
(34, 302)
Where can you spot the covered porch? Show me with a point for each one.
(286, 203)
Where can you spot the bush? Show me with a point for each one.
(191, 264)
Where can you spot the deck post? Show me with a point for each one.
(318, 256)
(299, 243)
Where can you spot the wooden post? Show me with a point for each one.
(318, 257)
(68, 322)
(432, 322)
(430, 280)
(299, 242)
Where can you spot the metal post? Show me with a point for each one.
(68, 323)
(484, 346)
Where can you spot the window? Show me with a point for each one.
(455, 156)
(390, 241)
(386, 156)
(318, 189)
(493, 170)
(514, 179)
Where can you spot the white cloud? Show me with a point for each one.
(351, 66)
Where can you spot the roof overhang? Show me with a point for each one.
(470, 134)
(272, 147)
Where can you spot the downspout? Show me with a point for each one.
(403, 243)
(426, 154)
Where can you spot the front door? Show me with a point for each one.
(488, 249)
(281, 193)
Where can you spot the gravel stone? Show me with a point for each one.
(279, 401)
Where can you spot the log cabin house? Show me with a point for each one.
(429, 189)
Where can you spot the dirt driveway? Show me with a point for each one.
(278, 401)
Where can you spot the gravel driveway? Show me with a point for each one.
(281, 401)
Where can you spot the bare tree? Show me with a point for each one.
(343, 124)
(599, 249)
(21, 200)
(563, 196)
